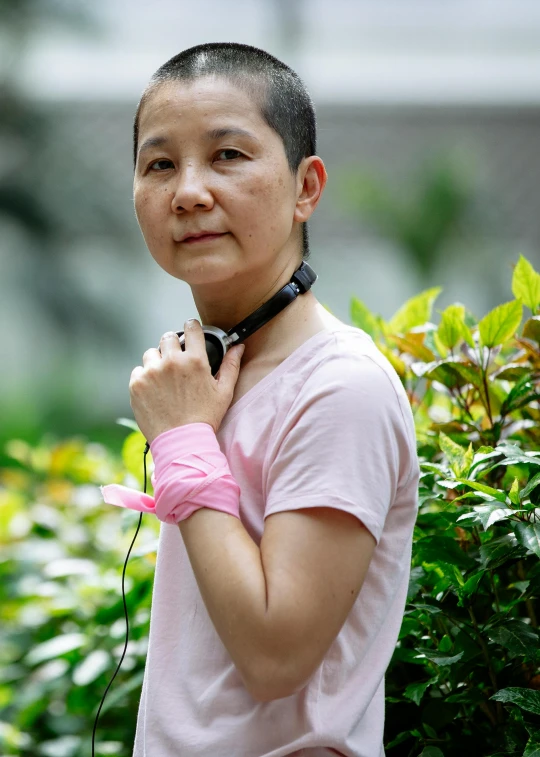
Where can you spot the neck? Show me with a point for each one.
(225, 304)
(296, 322)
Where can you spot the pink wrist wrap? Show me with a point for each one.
(184, 480)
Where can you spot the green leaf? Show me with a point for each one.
(413, 344)
(55, 647)
(531, 485)
(431, 732)
(533, 731)
(64, 746)
(446, 644)
(128, 423)
(363, 318)
(497, 494)
(415, 691)
(526, 699)
(445, 372)
(449, 331)
(91, 667)
(500, 324)
(499, 551)
(431, 751)
(517, 637)
(528, 535)
(511, 372)
(429, 609)
(526, 284)
(521, 394)
(532, 748)
(439, 548)
(415, 312)
(433, 468)
(435, 656)
(121, 691)
(492, 513)
(132, 455)
(513, 494)
(473, 375)
(470, 586)
(400, 738)
(531, 329)
(460, 460)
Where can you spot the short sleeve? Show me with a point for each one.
(344, 444)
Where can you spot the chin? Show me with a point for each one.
(204, 272)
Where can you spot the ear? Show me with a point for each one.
(311, 179)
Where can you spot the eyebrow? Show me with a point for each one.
(152, 142)
(214, 134)
(228, 131)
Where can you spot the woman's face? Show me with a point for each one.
(213, 192)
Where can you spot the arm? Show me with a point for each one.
(278, 609)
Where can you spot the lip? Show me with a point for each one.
(201, 236)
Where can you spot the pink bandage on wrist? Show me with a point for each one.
(190, 472)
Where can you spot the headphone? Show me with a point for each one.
(218, 342)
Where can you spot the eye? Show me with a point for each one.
(157, 162)
(228, 154)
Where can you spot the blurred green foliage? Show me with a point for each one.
(425, 217)
(62, 617)
(464, 679)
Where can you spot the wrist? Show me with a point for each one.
(182, 440)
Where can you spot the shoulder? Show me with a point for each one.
(350, 382)
(349, 361)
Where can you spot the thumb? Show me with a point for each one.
(230, 367)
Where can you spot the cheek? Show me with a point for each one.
(140, 202)
(272, 202)
(146, 208)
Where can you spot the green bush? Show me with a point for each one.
(464, 679)
(62, 625)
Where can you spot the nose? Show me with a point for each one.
(191, 191)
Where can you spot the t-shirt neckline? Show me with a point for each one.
(285, 365)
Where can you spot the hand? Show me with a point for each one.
(176, 387)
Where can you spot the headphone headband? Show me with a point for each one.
(301, 281)
(219, 341)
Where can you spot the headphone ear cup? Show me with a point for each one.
(215, 348)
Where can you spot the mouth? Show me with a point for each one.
(201, 237)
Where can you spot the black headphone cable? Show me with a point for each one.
(146, 449)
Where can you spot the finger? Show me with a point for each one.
(151, 357)
(136, 373)
(194, 338)
(169, 344)
(230, 368)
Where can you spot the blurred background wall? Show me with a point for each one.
(429, 123)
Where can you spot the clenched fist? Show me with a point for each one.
(174, 387)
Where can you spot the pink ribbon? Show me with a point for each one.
(184, 481)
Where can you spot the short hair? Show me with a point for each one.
(285, 103)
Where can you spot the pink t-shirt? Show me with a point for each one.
(331, 426)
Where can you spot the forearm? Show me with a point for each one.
(194, 488)
(229, 571)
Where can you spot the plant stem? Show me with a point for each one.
(492, 676)
(486, 387)
(494, 589)
(457, 396)
(528, 602)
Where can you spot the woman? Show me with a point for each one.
(286, 483)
